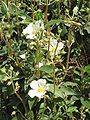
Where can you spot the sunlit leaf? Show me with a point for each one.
(3, 70)
(87, 68)
(72, 109)
(52, 22)
(86, 102)
(47, 68)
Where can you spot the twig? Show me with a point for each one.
(48, 31)
(32, 6)
(68, 55)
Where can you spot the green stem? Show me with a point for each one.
(68, 56)
(21, 114)
(32, 7)
(48, 30)
(7, 2)
(11, 79)
(46, 11)
(17, 20)
(48, 36)
(37, 59)
(44, 103)
(54, 77)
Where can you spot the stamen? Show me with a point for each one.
(34, 31)
(40, 89)
(53, 49)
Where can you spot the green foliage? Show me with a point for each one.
(86, 103)
(47, 68)
(55, 49)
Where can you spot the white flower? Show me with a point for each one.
(32, 29)
(60, 45)
(55, 47)
(38, 88)
(40, 64)
(75, 10)
(39, 25)
(22, 56)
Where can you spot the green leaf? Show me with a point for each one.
(85, 102)
(58, 99)
(4, 8)
(3, 77)
(52, 22)
(61, 92)
(41, 109)
(67, 91)
(64, 30)
(88, 28)
(86, 80)
(47, 68)
(77, 73)
(70, 84)
(14, 118)
(3, 70)
(3, 52)
(80, 2)
(26, 21)
(13, 8)
(74, 98)
(31, 103)
(44, 117)
(58, 92)
(72, 109)
(87, 69)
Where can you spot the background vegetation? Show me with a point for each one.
(67, 73)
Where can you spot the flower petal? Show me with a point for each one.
(40, 64)
(28, 29)
(32, 93)
(53, 44)
(30, 37)
(41, 82)
(47, 86)
(34, 85)
(60, 45)
(22, 56)
(32, 29)
(40, 94)
(37, 25)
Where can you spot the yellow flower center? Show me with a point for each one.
(34, 31)
(53, 49)
(40, 89)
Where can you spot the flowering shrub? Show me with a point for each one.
(32, 30)
(55, 47)
(44, 60)
(38, 88)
